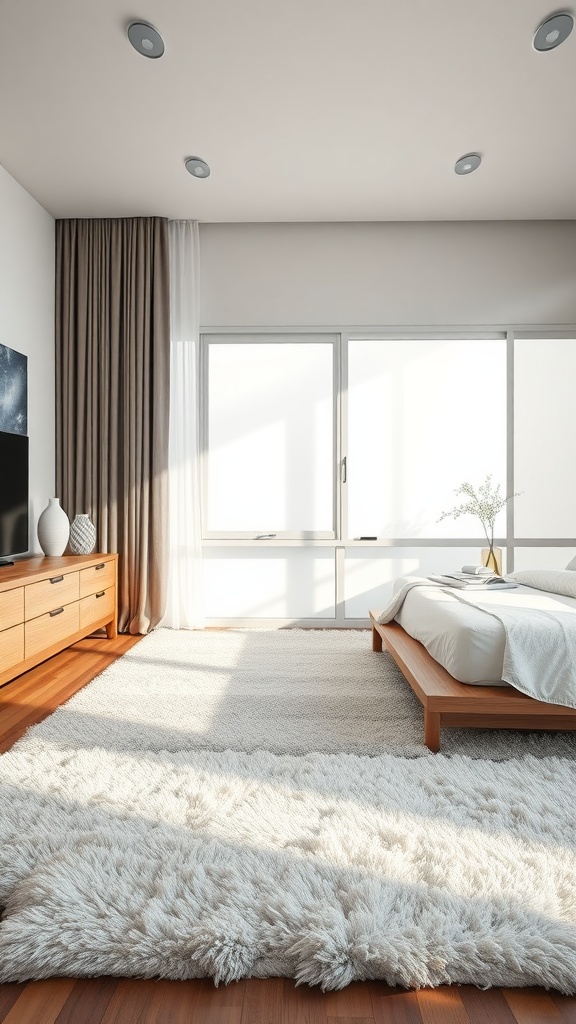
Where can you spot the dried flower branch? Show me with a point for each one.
(484, 503)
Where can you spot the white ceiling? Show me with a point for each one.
(306, 110)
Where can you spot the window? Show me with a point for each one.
(270, 436)
(423, 417)
(313, 441)
(544, 375)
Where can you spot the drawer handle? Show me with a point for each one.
(57, 611)
(56, 579)
(101, 594)
(102, 565)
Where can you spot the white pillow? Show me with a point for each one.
(553, 581)
(572, 565)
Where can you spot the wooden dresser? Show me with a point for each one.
(48, 603)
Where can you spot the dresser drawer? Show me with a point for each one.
(49, 594)
(11, 647)
(49, 629)
(11, 608)
(97, 577)
(97, 607)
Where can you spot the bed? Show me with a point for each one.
(452, 653)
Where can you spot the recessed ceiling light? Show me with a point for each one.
(197, 167)
(468, 163)
(553, 31)
(145, 39)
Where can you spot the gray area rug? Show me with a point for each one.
(128, 848)
(286, 691)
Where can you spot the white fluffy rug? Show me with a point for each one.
(124, 850)
(288, 691)
(325, 868)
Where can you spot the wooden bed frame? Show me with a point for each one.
(450, 704)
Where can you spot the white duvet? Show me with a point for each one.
(524, 637)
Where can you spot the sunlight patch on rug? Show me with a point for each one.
(288, 691)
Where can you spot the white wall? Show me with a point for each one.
(500, 272)
(27, 324)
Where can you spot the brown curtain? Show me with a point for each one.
(112, 397)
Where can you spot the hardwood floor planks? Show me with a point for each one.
(567, 1007)
(304, 1005)
(350, 1020)
(270, 1001)
(442, 1005)
(40, 1002)
(264, 1002)
(532, 1006)
(8, 995)
(352, 1001)
(87, 1001)
(34, 695)
(486, 1007)
(394, 1005)
(172, 1002)
(130, 1000)
(222, 1005)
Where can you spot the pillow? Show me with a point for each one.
(572, 565)
(553, 581)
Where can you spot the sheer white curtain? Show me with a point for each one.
(184, 607)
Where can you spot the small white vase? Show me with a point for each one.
(53, 528)
(82, 535)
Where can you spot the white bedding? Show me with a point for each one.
(461, 637)
(467, 643)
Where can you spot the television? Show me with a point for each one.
(13, 495)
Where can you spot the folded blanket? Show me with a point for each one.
(540, 646)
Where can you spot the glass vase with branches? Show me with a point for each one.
(484, 502)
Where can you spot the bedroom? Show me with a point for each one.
(322, 251)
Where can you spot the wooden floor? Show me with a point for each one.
(34, 695)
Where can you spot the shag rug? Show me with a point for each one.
(286, 691)
(126, 851)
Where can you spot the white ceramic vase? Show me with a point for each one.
(53, 528)
(82, 535)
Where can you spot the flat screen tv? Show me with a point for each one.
(13, 494)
